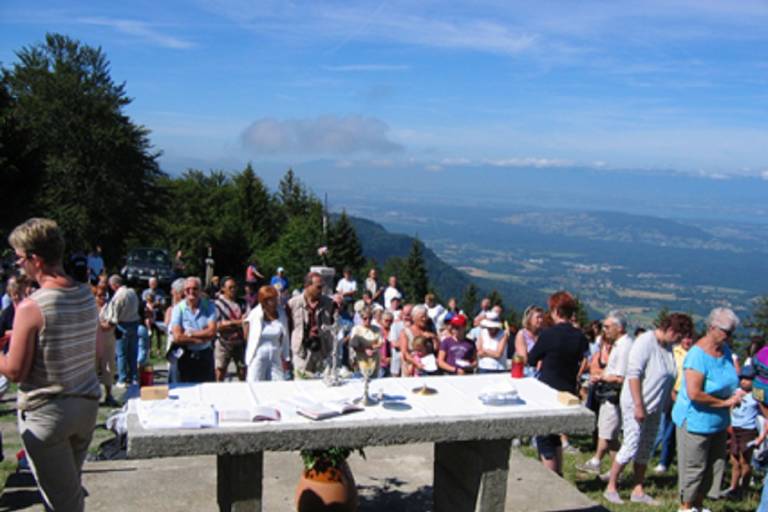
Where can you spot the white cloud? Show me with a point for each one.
(764, 174)
(141, 30)
(367, 67)
(529, 162)
(324, 135)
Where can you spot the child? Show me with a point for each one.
(744, 437)
(418, 351)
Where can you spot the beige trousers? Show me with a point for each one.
(55, 437)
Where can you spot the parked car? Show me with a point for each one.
(143, 263)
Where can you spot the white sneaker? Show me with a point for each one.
(591, 466)
(660, 469)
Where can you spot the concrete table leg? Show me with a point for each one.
(238, 482)
(471, 476)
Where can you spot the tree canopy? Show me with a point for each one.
(63, 125)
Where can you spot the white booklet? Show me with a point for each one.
(239, 407)
(244, 415)
(322, 410)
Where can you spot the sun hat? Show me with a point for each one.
(491, 321)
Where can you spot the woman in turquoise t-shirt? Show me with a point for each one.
(709, 389)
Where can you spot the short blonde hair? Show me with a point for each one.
(41, 237)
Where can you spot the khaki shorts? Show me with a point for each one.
(226, 351)
(609, 421)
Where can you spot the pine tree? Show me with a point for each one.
(469, 301)
(414, 280)
(91, 161)
(661, 316)
(256, 211)
(582, 318)
(344, 249)
(296, 249)
(293, 196)
(496, 299)
(392, 267)
(758, 320)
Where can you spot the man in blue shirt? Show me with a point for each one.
(280, 282)
(194, 327)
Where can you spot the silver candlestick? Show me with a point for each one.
(331, 377)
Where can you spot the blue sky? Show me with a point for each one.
(653, 85)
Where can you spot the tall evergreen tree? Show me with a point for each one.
(414, 279)
(256, 210)
(661, 316)
(94, 163)
(392, 267)
(344, 249)
(293, 196)
(296, 249)
(496, 298)
(469, 300)
(758, 320)
(582, 317)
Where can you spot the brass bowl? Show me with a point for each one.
(424, 390)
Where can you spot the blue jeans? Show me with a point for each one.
(126, 349)
(763, 506)
(143, 345)
(666, 438)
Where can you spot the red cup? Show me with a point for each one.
(518, 368)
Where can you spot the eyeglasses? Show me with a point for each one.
(727, 332)
(192, 289)
(22, 258)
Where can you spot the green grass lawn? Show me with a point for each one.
(12, 441)
(662, 487)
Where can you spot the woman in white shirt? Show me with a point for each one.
(492, 345)
(268, 351)
(366, 339)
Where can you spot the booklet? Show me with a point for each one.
(327, 409)
(239, 408)
(244, 415)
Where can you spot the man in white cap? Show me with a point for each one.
(280, 283)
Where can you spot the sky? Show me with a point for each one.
(659, 85)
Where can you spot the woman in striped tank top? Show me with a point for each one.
(51, 356)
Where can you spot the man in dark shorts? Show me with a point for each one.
(230, 344)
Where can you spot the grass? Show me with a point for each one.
(662, 487)
(12, 440)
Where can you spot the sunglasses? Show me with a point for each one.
(727, 332)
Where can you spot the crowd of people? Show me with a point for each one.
(661, 387)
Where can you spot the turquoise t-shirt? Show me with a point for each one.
(720, 380)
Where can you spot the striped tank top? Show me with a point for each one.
(65, 348)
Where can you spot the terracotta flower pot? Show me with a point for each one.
(330, 490)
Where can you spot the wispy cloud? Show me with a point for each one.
(324, 135)
(530, 162)
(141, 30)
(352, 68)
(343, 23)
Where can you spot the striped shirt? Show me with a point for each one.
(65, 348)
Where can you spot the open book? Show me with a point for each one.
(327, 409)
(244, 415)
(243, 408)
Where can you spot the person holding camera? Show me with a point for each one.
(309, 311)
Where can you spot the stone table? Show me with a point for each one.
(472, 440)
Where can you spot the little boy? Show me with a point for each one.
(744, 437)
